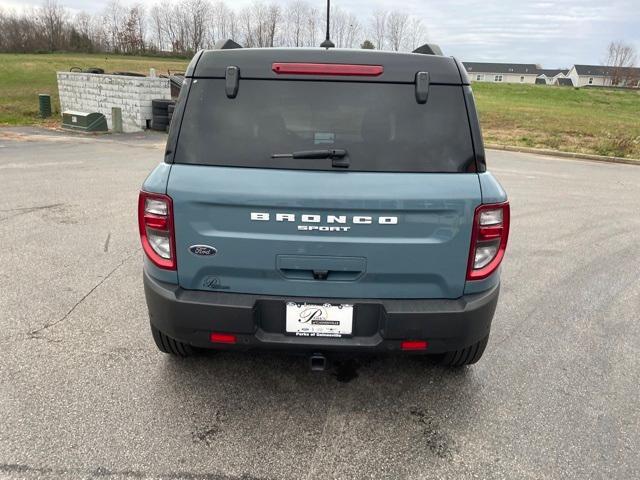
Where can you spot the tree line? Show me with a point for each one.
(186, 26)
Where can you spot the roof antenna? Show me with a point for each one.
(327, 41)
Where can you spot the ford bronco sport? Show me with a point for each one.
(324, 201)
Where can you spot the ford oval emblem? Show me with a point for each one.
(204, 250)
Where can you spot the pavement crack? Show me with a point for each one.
(106, 243)
(46, 326)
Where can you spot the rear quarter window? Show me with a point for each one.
(380, 125)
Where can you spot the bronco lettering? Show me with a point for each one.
(315, 218)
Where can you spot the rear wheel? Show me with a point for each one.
(168, 345)
(464, 356)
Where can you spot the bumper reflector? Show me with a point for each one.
(222, 338)
(413, 345)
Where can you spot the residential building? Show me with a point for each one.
(578, 75)
(502, 72)
(550, 76)
(603, 76)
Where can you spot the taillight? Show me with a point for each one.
(155, 220)
(488, 240)
(340, 69)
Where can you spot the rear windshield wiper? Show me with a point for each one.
(312, 154)
(337, 156)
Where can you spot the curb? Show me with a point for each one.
(557, 153)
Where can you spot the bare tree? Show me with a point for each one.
(245, 24)
(312, 27)
(53, 17)
(157, 27)
(260, 24)
(416, 34)
(397, 29)
(132, 33)
(185, 26)
(224, 23)
(113, 20)
(378, 28)
(345, 28)
(296, 16)
(30, 32)
(274, 16)
(232, 25)
(621, 57)
(198, 20)
(354, 29)
(176, 19)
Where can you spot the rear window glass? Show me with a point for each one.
(380, 125)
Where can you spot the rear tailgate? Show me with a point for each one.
(376, 235)
(395, 224)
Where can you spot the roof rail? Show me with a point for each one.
(429, 49)
(226, 44)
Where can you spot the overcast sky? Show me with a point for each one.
(553, 33)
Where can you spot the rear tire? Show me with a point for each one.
(170, 346)
(464, 356)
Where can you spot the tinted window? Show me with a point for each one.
(381, 126)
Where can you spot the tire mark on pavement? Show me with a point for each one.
(25, 210)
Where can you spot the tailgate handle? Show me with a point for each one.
(301, 267)
(321, 275)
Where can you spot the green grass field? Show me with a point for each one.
(599, 121)
(23, 77)
(604, 122)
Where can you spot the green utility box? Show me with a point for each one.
(83, 121)
(44, 102)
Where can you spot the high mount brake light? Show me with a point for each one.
(488, 240)
(155, 221)
(339, 69)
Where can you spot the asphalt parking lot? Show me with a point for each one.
(85, 394)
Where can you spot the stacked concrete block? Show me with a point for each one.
(89, 92)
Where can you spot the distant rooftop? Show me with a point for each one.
(516, 68)
(552, 72)
(604, 71)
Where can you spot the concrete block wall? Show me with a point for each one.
(90, 92)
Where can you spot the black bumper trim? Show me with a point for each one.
(258, 320)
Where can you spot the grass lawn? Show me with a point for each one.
(586, 120)
(604, 122)
(24, 76)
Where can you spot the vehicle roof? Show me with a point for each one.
(256, 63)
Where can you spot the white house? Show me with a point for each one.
(502, 72)
(551, 76)
(603, 76)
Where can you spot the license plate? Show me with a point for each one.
(308, 320)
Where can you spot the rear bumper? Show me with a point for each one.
(258, 321)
